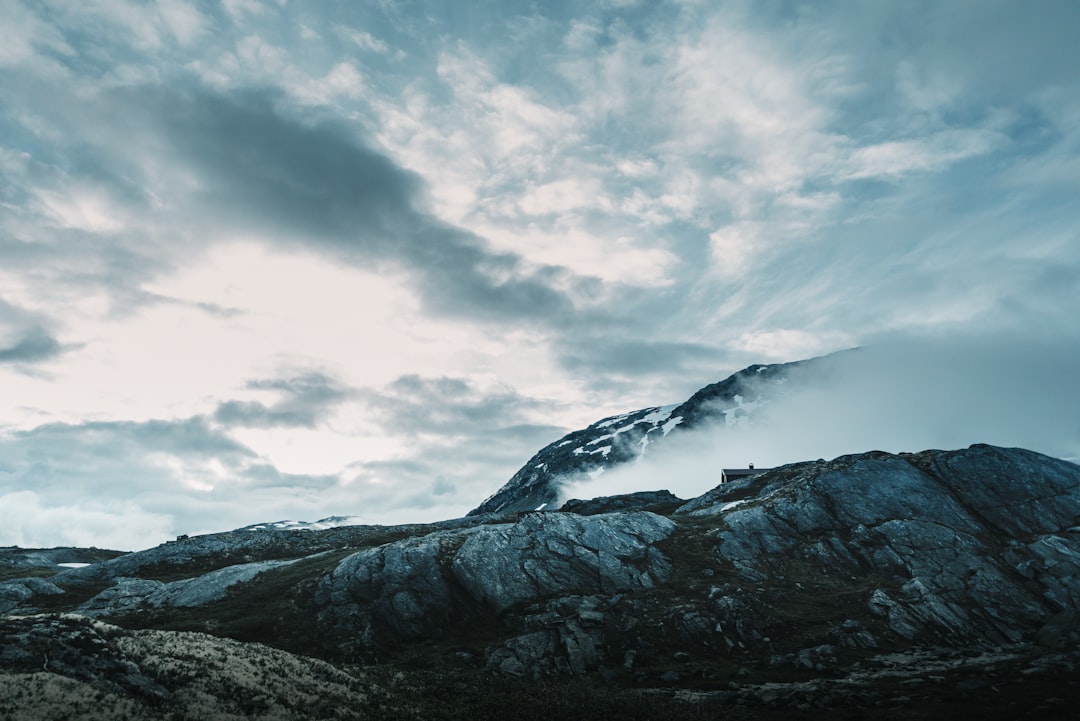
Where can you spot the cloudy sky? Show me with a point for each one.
(267, 259)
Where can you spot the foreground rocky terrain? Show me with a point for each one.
(870, 586)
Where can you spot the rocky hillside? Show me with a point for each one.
(611, 441)
(857, 585)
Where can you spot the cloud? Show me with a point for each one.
(903, 394)
(30, 522)
(135, 484)
(305, 401)
(317, 187)
(35, 346)
(457, 407)
(467, 433)
(24, 337)
(633, 358)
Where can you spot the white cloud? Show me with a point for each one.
(30, 522)
(81, 208)
(785, 343)
(364, 40)
(25, 34)
(927, 89)
(733, 247)
(618, 260)
(564, 195)
(184, 22)
(895, 158)
(238, 10)
(502, 119)
(146, 26)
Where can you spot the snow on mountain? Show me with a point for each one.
(320, 525)
(586, 454)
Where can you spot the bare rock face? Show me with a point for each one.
(132, 594)
(403, 587)
(18, 593)
(639, 501)
(417, 588)
(549, 554)
(967, 546)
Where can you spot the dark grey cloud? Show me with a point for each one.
(456, 433)
(305, 400)
(315, 184)
(637, 357)
(418, 404)
(70, 444)
(28, 339)
(35, 345)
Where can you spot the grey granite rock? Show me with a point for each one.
(549, 554)
(131, 594)
(419, 587)
(403, 586)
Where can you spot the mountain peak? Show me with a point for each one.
(589, 452)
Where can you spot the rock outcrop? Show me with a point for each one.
(133, 594)
(658, 501)
(965, 546)
(420, 587)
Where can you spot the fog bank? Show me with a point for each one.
(899, 395)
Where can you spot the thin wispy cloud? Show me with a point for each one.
(366, 258)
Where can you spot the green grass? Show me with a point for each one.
(8, 573)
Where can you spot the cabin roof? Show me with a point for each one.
(744, 471)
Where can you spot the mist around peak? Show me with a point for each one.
(901, 394)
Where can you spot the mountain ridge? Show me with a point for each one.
(609, 442)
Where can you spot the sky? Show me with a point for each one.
(270, 259)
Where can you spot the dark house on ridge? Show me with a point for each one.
(735, 474)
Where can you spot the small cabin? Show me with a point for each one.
(735, 474)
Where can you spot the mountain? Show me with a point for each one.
(591, 451)
(873, 585)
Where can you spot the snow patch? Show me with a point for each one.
(667, 427)
(73, 565)
(657, 415)
(739, 414)
(320, 525)
(612, 420)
